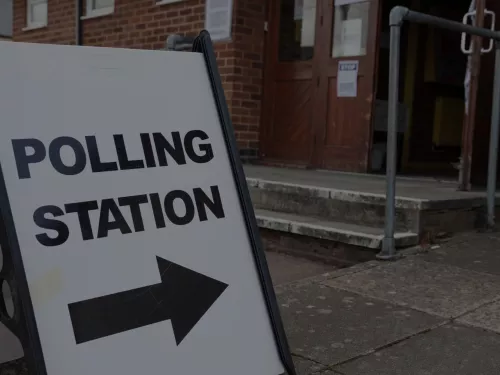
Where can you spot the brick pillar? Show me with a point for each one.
(248, 59)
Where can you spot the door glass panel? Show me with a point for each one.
(297, 29)
(350, 29)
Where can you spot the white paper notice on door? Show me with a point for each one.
(347, 79)
(308, 23)
(298, 10)
(218, 19)
(351, 37)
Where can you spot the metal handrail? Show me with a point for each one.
(397, 16)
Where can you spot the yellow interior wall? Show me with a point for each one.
(409, 87)
(298, 30)
(448, 120)
(448, 111)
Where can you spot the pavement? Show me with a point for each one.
(285, 269)
(433, 312)
(436, 312)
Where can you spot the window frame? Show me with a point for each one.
(165, 2)
(91, 12)
(31, 24)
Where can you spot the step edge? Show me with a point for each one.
(419, 204)
(339, 194)
(372, 241)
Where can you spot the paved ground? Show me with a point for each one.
(10, 346)
(433, 313)
(285, 268)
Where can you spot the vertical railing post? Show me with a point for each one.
(493, 152)
(470, 113)
(397, 16)
(388, 244)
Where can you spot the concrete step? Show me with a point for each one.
(340, 232)
(429, 208)
(352, 207)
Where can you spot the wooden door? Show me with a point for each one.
(348, 33)
(290, 77)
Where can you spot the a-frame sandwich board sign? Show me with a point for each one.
(128, 224)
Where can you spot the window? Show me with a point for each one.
(37, 13)
(99, 7)
(297, 30)
(350, 30)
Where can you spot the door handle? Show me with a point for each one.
(470, 15)
(492, 28)
(463, 42)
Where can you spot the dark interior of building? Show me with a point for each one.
(431, 92)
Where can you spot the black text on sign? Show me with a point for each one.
(176, 207)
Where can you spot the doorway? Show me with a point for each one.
(310, 117)
(431, 93)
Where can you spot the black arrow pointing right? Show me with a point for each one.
(183, 296)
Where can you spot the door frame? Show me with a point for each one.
(321, 62)
(271, 50)
(368, 65)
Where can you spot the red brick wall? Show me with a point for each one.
(61, 19)
(248, 35)
(143, 24)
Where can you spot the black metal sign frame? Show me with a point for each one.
(203, 44)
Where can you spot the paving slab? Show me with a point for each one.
(286, 269)
(473, 251)
(339, 272)
(10, 346)
(14, 368)
(448, 350)
(487, 317)
(438, 289)
(328, 325)
(306, 367)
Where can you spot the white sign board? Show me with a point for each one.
(218, 19)
(126, 210)
(347, 79)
